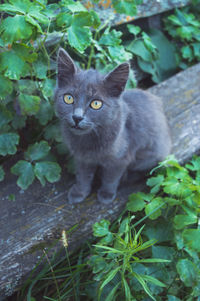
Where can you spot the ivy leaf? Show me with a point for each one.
(24, 170)
(79, 34)
(2, 173)
(8, 142)
(6, 86)
(127, 7)
(29, 104)
(15, 28)
(187, 272)
(101, 228)
(49, 171)
(37, 151)
(181, 220)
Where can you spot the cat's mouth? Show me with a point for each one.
(77, 130)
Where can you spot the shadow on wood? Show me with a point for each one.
(37, 216)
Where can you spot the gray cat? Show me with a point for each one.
(107, 127)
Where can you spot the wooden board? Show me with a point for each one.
(148, 8)
(38, 215)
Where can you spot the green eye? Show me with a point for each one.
(68, 99)
(96, 104)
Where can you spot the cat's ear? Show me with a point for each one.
(66, 67)
(115, 81)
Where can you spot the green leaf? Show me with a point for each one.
(79, 34)
(126, 289)
(17, 6)
(187, 52)
(152, 210)
(181, 221)
(24, 170)
(163, 252)
(187, 272)
(110, 38)
(8, 142)
(135, 30)
(96, 22)
(37, 151)
(136, 202)
(127, 7)
(15, 28)
(155, 182)
(73, 6)
(49, 171)
(112, 293)
(98, 263)
(118, 54)
(48, 88)
(191, 238)
(138, 48)
(172, 298)
(45, 113)
(29, 104)
(153, 280)
(6, 87)
(2, 173)
(64, 19)
(5, 116)
(101, 228)
(52, 132)
(40, 67)
(14, 66)
(109, 277)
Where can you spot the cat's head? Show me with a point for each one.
(85, 99)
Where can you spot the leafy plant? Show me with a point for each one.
(173, 208)
(116, 261)
(184, 27)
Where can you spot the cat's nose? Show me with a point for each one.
(77, 118)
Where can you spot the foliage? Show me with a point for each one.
(172, 208)
(184, 28)
(159, 259)
(117, 264)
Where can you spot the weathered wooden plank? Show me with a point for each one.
(37, 216)
(148, 8)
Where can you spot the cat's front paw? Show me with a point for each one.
(105, 197)
(75, 195)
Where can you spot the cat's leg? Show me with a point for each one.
(81, 189)
(110, 179)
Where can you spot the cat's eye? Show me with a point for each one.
(68, 99)
(96, 104)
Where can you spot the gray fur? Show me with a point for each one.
(128, 132)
